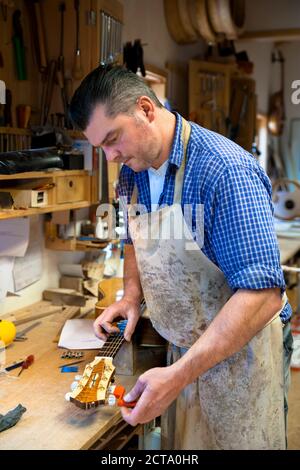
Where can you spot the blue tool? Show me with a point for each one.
(69, 369)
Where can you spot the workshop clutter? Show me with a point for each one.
(222, 99)
(212, 20)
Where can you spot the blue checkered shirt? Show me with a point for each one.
(239, 235)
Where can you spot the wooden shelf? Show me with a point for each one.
(73, 244)
(12, 213)
(71, 190)
(15, 131)
(275, 35)
(43, 174)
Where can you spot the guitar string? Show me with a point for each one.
(112, 345)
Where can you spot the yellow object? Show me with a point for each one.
(7, 332)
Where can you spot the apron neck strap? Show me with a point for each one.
(185, 136)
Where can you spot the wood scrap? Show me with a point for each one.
(71, 282)
(37, 316)
(64, 297)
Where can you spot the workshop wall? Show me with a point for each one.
(145, 20)
(23, 91)
(271, 15)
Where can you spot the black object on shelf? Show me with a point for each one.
(73, 161)
(30, 160)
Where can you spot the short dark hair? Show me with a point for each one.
(114, 86)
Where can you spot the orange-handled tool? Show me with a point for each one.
(119, 393)
(28, 361)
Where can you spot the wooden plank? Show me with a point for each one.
(15, 131)
(274, 35)
(44, 174)
(64, 297)
(11, 214)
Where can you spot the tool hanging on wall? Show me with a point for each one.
(7, 109)
(60, 71)
(48, 93)
(46, 70)
(19, 48)
(77, 69)
(238, 109)
(111, 39)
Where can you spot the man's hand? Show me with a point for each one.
(124, 308)
(155, 390)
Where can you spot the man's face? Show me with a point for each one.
(129, 139)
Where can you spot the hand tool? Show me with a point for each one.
(119, 393)
(19, 46)
(27, 363)
(60, 71)
(48, 91)
(21, 334)
(69, 369)
(71, 364)
(14, 365)
(77, 70)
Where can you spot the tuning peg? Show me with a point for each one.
(111, 401)
(111, 389)
(68, 396)
(78, 377)
(74, 385)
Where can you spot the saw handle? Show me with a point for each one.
(119, 393)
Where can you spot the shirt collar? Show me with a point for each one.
(176, 155)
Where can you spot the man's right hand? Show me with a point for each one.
(124, 308)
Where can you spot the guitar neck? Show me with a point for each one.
(114, 341)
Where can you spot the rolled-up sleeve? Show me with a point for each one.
(243, 236)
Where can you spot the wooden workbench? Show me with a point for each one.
(51, 422)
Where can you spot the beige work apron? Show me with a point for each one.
(238, 404)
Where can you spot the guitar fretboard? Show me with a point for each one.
(115, 341)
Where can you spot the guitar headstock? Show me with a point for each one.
(93, 387)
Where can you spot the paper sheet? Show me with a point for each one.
(6, 278)
(14, 236)
(79, 334)
(28, 269)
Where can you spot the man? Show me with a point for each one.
(219, 301)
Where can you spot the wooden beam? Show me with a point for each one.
(274, 35)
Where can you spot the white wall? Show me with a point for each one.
(145, 20)
(50, 274)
